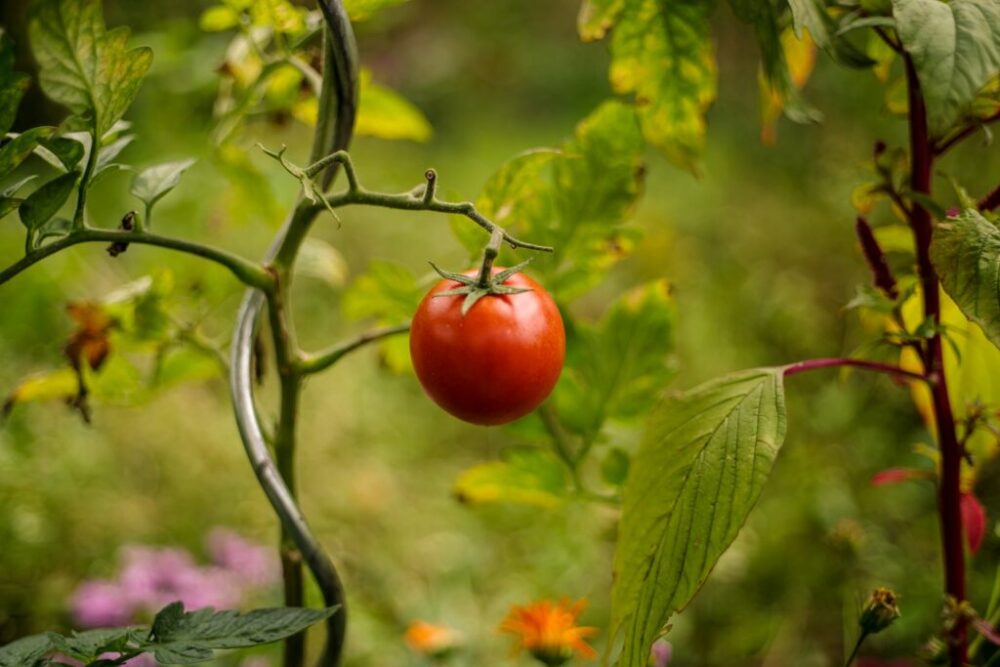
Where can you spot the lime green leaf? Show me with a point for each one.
(524, 477)
(699, 470)
(360, 10)
(182, 638)
(81, 64)
(386, 114)
(151, 184)
(614, 467)
(15, 151)
(661, 53)
(46, 201)
(58, 384)
(597, 17)
(219, 18)
(12, 84)
(955, 48)
(620, 367)
(966, 254)
(389, 293)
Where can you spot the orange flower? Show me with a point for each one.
(549, 631)
(430, 639)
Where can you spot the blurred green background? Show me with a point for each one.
(760, 252)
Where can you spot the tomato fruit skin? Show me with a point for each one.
(496, 363)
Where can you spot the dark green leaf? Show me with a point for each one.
(955, 48)
(152, 183)
(524, 477)
(81, 64)
(26, 651)
(619, 368)
(966, 254)
(698, 472)
(64, 152)
(20, 147)
(87, 645)
(46, 201)
(812, 15)
(614, 467)
(55, 227)
(181, 638)
(12, 84)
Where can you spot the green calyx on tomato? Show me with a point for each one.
(476, 287)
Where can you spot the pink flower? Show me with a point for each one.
(254, 564)
(98, 604)
(662, 653)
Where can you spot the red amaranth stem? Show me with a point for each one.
(834, 362)
(949, 487)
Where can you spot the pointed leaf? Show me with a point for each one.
(955, 48)
(26, 651)
(46, 201)
(698, 472)
(152, 183)
(15, 151)
(61, 152)
(966, 254)
(82, 65)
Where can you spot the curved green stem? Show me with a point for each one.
(88, 174)
(314, 363)
(249, 273)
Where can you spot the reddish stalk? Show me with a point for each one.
(990, 201)
(833, 362)
(949, 491)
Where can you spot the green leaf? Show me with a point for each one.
(955, 48)
(108, 152)
(85, 646)
(966, 254)
(26, 651)
(597, 17)
(183, 638)
(661, 53)
(12, 84)
(64, 153)
(812, 16)
(319, 260)
(81, 64)
(46, 201)
(762, 15)
(384, 113)
(699, 470)
(390, 294)
(524, 477)
(620, 367)
(151, 184)
(614, 467)
(576, 200)
(15, 151)
(218, 18)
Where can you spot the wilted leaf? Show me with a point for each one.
(619, 368)
(955, 48)
(800, 58)
(698, 472)
(81, 64)
(52, 385)
(152, 183)
(42, 204)
(524, 477)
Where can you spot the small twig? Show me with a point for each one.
(942, 147)
(320, 361)
(990, 201)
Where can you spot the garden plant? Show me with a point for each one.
(497, 341)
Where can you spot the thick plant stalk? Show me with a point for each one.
(338, 106)
(949, 485)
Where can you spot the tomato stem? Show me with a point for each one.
(490, 253)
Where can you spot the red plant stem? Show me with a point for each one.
(955, 139)
(833, 362)
(949, 488)
(990, 201)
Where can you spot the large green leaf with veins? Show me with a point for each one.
(955, 48)
(82, 65)
(699, 470)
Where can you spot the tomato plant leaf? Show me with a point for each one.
(12, 84)
(385, 114)
(15, 151)
(181, 638)
(26, 651)
(619, 367)
(42, 204)
(955, 48)
(389, 294)
(812, 15)
(597, 17)
(153, 183)
(82, 65)
(63, 153)
(523, 476)
(662, 55)
(966, 254)
(698, 472)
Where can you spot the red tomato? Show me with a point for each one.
(496, 363)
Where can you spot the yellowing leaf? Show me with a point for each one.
(524, 476)
(800, 56)
(360, 10)
(60, 384)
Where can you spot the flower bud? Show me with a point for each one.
(880, 612)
